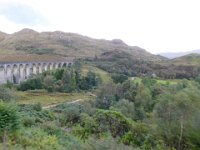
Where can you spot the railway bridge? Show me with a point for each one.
(16, 72)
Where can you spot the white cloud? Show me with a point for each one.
(156, 25)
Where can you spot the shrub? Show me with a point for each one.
(119, 78)
(126, 107)
(70, 113)
(31, 84)
(112, 121)
(6, 94)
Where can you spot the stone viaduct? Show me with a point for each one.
(16, 72)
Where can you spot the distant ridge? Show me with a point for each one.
(179, 54)
(28, 41)
(190, 59)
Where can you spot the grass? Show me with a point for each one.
(160, 81)
(103, 74)
(45, 98)
(167, 81)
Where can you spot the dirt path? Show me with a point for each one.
(54, 105)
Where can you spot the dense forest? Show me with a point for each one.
(120, 114)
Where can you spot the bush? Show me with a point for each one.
(37, 139)
(70, 113)
(31, 84)
(119, 78)
(49, 82)
(126, 107)
(6, 94)
(86, 127)
(28, 121)
(112, 121)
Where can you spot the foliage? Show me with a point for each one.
(112, 121)
(126, 107)
(63, 80)
(49, 83)
(6, 94)
(175, 117)
(70, 113)
(119, 78)
(9, 121)
(33, 114)
(37, 139)
(139, 113)
(9, 117)
(31, 84)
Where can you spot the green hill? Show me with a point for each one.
(190, 59)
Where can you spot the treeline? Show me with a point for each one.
(62, 80)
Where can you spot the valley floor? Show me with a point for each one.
(49, 99)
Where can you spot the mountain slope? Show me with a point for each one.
(175, 55)
(190, 59)
(2, 36)
(68, 44)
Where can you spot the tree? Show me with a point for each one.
(143, 98)
(174, 115)
(69, 81)
(9, 120)
(119, 78)
(106, 96)
(112, 121)
(126, 107)
(6, 94)
(49, 83)
(31, 84)
(58, 74)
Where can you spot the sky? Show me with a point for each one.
(155, 25)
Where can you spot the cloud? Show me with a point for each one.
(21, 14)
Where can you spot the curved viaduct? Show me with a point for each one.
(16, 72)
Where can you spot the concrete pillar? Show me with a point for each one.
(45, 67)
(16, 74)
(9, 73)
(34, 66)
(2, 75)
(51, 66)
(64, 65)
(21, 72)
(27, 70)
(59, 65)
(56, 65)
(40, 68)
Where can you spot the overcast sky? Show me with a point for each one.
(156, 25)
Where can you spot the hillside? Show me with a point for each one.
(32, 58)
(28, 41)
(179, 54)
(190, 59)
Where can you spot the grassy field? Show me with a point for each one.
(45, 98)
(103, 74)
(160, 81)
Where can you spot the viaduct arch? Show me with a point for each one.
(16, 72)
